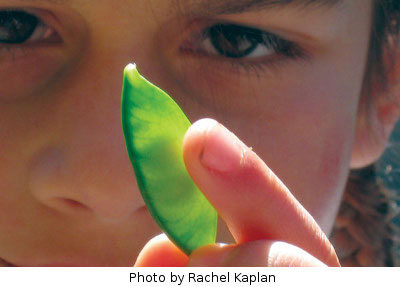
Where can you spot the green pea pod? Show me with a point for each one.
(154, 127)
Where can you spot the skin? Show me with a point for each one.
(68, 193)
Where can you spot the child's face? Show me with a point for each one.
(67, 190)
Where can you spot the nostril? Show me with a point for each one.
(68, 205)
(72, 203)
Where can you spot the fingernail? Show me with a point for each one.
(222, 150)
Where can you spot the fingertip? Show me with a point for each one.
(213, 255)
(195, 136)
(161, 252)
(212, 146)
(202, 125)
(193, 146)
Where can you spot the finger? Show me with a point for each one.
(161, 252)
(260, 253)
(250, 198)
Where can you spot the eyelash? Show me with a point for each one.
(282, 50)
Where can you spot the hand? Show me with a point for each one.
(269, 225)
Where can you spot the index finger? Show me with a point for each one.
(250, 198)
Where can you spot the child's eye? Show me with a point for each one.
(19, 27)
(234, 41)
(16, 26)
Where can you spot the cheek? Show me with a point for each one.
(331, 175)
(334, 160)
(315, 136)
(29, 79)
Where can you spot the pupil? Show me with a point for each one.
(16, 26)
(234, 41)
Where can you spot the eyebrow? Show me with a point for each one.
(218, 7)
(44, 1)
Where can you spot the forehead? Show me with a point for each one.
(330, 10)
(218, 6)
(237, 6)
(211, 8)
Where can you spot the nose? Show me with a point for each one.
(78, 186)
(79, 181)
(84, 168)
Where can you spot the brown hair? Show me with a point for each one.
(365, 233)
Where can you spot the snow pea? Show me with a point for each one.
(154, 127)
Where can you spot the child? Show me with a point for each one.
(310, 85)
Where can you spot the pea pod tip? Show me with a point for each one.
(130, 66)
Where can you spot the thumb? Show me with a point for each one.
(161, 252)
